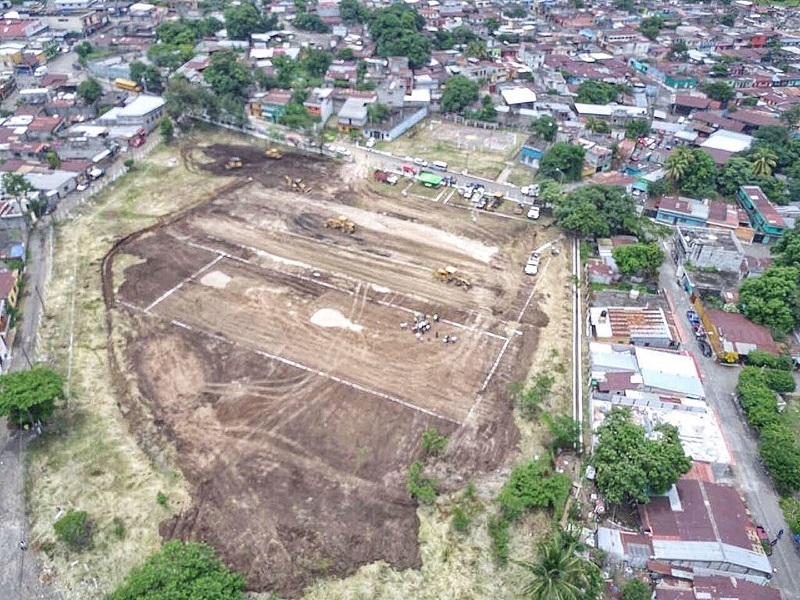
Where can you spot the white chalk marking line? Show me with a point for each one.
(330, 286)
(312, 370)
(175, 288)
(502, 352)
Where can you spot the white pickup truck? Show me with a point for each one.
(532, 266)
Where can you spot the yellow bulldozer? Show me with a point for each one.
(273, 153)
(234, 162)
(297, 185)
(450, 275)
(341, 223)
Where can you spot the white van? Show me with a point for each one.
(439, 165)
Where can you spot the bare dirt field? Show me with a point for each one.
(271, 352)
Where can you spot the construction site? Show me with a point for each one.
(294, 336)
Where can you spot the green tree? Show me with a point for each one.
(420, 487)
(530, 399)
(53, 160)
(169, 56)
(791, 117)
(227, 76)
(718, 90)
(477, 49)
(181, 571)
(147, 75)
(677, 164)
(636, 129)
(560, 573)
(651, 27)
(678, 50)
(83, 50)
(89, 90)
(780, 452)
(563, 162)
(735, 173)
(74, 529)
(185, 99)
(296, 116)
(638, 259)
(345, 54)
(545, 127)
(597, 92)
(313, 62)
(772, 300)
(311, 22)
(397, 31)
(16, 186)
(636, 589)
(459, 93)
(728, 19)
(630, 464)
(166, 129)
(763, 161)
(597, 211)
(487, 112)
(244, 20)
(565, 432)
(377, 112)
(700, 177)
(786, 252)
(658, 188)
(597, 125)
(30, 396)
(352, 12)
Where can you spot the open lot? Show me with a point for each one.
(270, 351)
(482, 152)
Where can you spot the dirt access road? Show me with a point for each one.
(270, 351)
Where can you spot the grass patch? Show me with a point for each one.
(521, 175)
(87, 456)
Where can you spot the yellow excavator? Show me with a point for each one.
(297, 185)
(273, 153)
(341, 223)
(450, 275)
(234, 162)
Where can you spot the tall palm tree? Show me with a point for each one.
(677, 164)
(559, 573)
(763, 161)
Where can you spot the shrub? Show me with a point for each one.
(636, 589)
(791, 512)
(461, 520)
(781, 454)
(498, 530)
(74, 529)
(530, 399)
(779, 381)
(433, 443)
(161, 499)
(759, 358)
(533, 485)
(421, 488)
(118, 528)
(129, 162)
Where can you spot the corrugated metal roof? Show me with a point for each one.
(710, 552)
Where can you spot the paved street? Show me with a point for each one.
(719, 383)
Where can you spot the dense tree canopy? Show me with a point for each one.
(598, 92)
(311, 22)
(772, 300)
(638, 259)
(780, 452)
(735, 173)
(352, 11)
(545, 127)
(459, 93)
(90, 90)
(30, 396)
(636, 129)
(597, 210)
(397, 31)
(147, 76)
(693, 171)
(636, 589)
(651, 27)
(243, 20)
(563, 162)
(227, 76)
(718, 90)
(630, 464)
(786, 251)
(181, 571)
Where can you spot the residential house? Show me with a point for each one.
(530, 155)
(701, 248)
(353, 114)
(143, 111)
(768, 225)
(320, 104)
(711, 588)
(9, 290)
(733, 336)
(676, 210)
(271, 105)
(639, 326)
(697, 529)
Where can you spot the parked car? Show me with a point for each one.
(421, 162)
(533, 212)
(693, 317)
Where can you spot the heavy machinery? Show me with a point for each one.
(449, 275)
(297, 185)
(234, 162)
(273, 153)
(342, 223)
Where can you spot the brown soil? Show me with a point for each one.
(295, 437)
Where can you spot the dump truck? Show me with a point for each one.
(297, 185)
(450, 275)
(384, 177)
(273, 153)
(342, 223)
(234, 162)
